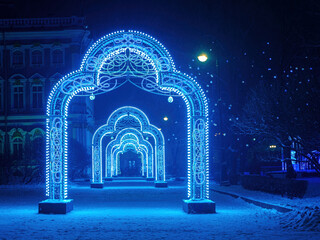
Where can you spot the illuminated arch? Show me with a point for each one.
(147, 158)
(132, 136)
(140, 149)
(117, 58)
(130, 119)
(126, 147)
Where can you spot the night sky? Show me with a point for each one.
(246, 42)
(187, 28)
(184, 26)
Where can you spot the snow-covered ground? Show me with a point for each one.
(268, 197)
(305, 214)
(137, 213)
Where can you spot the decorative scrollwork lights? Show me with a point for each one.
(128, 123)
(120, 145)
(149, 66)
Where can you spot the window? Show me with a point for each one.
(17, 58)
(17, 92)
(1, 143)
(18, 101)
(38, 149)
(37, 96)
(36, 57)
(1, 96)
(36, 91)
(17, 141)
(57, 57)
(17, 147)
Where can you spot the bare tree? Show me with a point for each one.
(274, 112)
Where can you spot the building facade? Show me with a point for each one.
(34, 55)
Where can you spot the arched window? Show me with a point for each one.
(18, 96)
(17, 141)
(57, 56)
(17, 87)
(17, 145)
(36, 57)
(37, 93)
(18, 99)
(37, 96)
(1, 142)
(1, 95)
(37, 142)
(17, 58)
(38, 149)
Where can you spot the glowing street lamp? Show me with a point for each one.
(166, 118)
(202, 57)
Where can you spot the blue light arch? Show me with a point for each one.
(117, 58)
(121, 122)
(129, 137)
(130, 145)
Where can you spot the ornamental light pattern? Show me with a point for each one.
(115, 59)
(124, 124)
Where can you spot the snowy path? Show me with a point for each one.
(136, 213)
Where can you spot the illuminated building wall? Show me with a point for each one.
(34, 55)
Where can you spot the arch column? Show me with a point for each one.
(198, 140)
(55, 159)
(97, 178)
(160, 175)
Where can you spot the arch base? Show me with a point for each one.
(96, 185)
(198, 206)
(160, 184)
(50, 206)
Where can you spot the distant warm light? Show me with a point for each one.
(202, 58)
(272, 146)
(165, 118)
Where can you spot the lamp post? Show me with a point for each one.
(220, 164)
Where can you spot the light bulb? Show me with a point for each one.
(92, 97)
